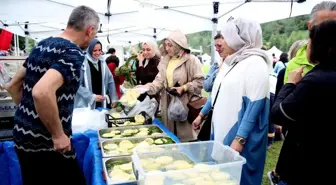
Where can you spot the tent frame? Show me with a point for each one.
(215, 18)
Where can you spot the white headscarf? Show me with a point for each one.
(154, 47)
(245, 37)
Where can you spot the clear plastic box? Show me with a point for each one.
(197, 163)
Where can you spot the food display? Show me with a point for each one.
(196, 163)
(130, 97)
(120, 119)
(115, 115)
(132, 131)
(119, 170)
(198, 174)
(118, 147)
(165, 161)
(138, 120)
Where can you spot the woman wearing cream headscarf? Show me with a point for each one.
(147, 65)
(240, 115)
(180, 70)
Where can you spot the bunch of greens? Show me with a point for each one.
(125, 71)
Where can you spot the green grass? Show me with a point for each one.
(205, 69)
(271, 160)
(272, 153)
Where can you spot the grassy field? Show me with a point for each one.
(272, 153)
(271, 160)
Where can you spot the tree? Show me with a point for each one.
(281, 33)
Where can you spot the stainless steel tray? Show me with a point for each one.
(121, 129)
(109, 180)
(133, 140)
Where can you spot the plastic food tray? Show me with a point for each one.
(219, 164)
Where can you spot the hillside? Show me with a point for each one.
(280, 33)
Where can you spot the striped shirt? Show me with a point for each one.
(30, 134)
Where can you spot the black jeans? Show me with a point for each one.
(52, 168)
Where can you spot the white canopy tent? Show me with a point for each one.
(274, 50)
(134, 21)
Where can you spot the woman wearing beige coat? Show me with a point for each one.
(177, 66)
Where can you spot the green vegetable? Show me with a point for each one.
(125, 71)
(119, 107)
(163, 141)
(152, 130)
(167, 140)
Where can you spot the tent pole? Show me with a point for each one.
(18, 45)
(154, 29)
(27, 44)
(214, 30)
(15, 48)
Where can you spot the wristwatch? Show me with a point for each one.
(241, 140)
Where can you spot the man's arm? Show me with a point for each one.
(15, 86)
(44, 94)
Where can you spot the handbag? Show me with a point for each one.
(195, 106)
(195, 103)
(204, 134)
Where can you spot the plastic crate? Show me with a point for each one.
(116, 122)
(208, 162)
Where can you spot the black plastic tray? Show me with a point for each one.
(115, 122)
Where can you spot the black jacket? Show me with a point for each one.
(308, 110)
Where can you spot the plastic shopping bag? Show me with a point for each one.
(147, 105)
(8, 71)
(176, 110)
(5, 77)
(84, 119)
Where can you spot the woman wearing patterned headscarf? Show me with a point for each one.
(181, 71)
(240, 115)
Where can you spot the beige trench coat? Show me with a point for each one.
(187, 72)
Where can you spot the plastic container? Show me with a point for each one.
(117, 122)
(109, 163)
(122, 129)
(127, 150)
(207, 163)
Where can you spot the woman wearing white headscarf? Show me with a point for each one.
(147, 65)
(240, 116)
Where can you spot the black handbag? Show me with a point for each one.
(204, 134)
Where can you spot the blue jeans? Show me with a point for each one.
(282, 183)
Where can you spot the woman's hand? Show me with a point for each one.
(179, 90)
(236, 146)
(296, 75)
(140, 58)
(99, 98)
(197, 123)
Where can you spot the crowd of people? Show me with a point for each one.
(240, 111)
